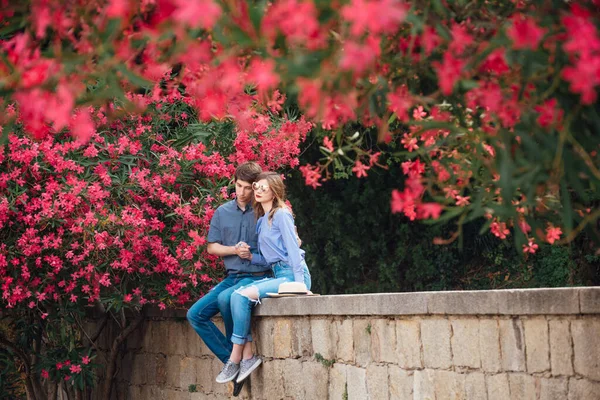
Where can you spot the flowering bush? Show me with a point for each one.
(117, 220)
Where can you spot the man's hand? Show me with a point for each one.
(243, 251)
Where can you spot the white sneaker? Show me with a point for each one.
(229, 372)
(247, 366)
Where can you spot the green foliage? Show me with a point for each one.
(326, 362)
(354, 244)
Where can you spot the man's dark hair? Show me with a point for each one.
(247, 172)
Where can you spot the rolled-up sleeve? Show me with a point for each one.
(285, 222)
(214, 231)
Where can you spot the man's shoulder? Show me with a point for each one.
(229, 206)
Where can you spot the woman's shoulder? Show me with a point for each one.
(282, 214)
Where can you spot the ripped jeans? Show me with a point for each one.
(241, 306)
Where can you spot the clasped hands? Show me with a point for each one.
(242, 249)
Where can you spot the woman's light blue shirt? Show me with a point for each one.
(277, 242)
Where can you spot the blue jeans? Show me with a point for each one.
(241, 306)
(215, 301)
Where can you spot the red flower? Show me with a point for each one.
(550, 114)
(525, 33)
(448, 72)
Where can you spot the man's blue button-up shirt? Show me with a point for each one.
(231, 225)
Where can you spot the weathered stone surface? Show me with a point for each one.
(408, 344)
(293, 386)
(177, 341)
(512, 344)
(423, 385)
(561, 350)
(522, 386)
(218, 388)
(400, 383)
(497, 387)
(195, 345)
(187, 372)
(449, 385)
(475, 386)
(322, 338)
(337, 381)
(377, 381)
(383, 340)
(435, 334)
(489, 345)
(357, 383)
(316, 380)
(583, 389)
(272, 379)
(301, 338)
(553, 388)
(586, 345)
(282, 338)
(538, 301)
(264, 336)
(465, 342)
(204, 374)
(537, 348)
(589, 300)
(160, 373)
(463, 302)
(344, 339)
(362, 341)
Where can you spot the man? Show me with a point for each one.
(231, 227)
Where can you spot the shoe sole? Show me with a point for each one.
(228, 379)
(237, 387)
(241, 378)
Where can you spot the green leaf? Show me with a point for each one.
(132, 77)
(565, 198)
(257, 11)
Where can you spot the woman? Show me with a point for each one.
(278, 245)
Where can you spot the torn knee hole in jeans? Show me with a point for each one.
(249, 292)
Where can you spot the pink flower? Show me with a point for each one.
(375, 16)
(429, 210)
(553, 234)
(75, 369)
(328, 144)
(409, 143)
(360, 169)
(312, 175)
(418, 113)
(462, 201)
(448, 72)
(85, 360)
(499, 229)
(197, 13)
(525, 33)
(550, 114)
(162, 305)
(530, 247)
(45, 374)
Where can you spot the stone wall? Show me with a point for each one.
(510, 344)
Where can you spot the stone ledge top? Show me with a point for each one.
(551, 301)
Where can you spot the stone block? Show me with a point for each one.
(537, 348)
(338, 382)
(475, 386)
(423, 385)
(449, 385)
(400, 383)
(408, 344)
(301, 338)
(161, 330)
(583, 389)
(173, 369)
(282, 338)
(316, 380)
(293, 379)
(489, 345)
(272, 379)
(160, 373)
(553, 388)
(435, 335)
(497, 387)
(362, 341)
(512, 344)
(383, 341)
(522, 386)
(344, 339)
(264, 336)
(538, 301)
(176, 339)
(204, 374)
(586, 345)
(463, 302)
(170, 394)
(194, 345)
(321, 337)
(377, 381)
(465, 343)
(561, 350)
(357, 383)
(589, 300)
(187, 372)
(218, 388)
(139, 371)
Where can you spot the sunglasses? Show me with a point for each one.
(259, 188)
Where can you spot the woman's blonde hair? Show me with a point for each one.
(277, 187)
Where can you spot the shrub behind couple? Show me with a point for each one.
(261, 250)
